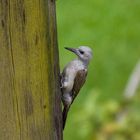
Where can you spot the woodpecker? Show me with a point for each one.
(73, 77)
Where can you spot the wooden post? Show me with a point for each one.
(30, 107)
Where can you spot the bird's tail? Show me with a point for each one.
(65, 113)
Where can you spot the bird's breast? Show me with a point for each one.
(70, 74)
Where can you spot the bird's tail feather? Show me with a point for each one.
(65, 113)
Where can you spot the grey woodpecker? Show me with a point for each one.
(73, 77)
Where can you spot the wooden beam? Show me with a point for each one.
(30, 106)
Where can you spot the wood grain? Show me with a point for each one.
(29, 71)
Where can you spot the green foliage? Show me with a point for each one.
(108, 120)
(112, 29)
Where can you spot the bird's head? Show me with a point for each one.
(84, 53)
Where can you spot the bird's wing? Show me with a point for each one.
(79, 82)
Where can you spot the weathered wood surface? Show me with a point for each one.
(29, 71)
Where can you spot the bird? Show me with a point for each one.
(74, 76)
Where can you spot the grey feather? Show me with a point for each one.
(78, 83)
(73, 77)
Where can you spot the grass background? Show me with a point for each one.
(112, 29)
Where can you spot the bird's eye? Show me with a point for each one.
(81, 52)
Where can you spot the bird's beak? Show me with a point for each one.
(72, 50)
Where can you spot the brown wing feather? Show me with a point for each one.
(79, 82)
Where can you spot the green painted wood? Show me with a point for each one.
(30, 106)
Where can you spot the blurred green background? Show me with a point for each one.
(112, 29)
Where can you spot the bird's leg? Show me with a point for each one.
(64, 84)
